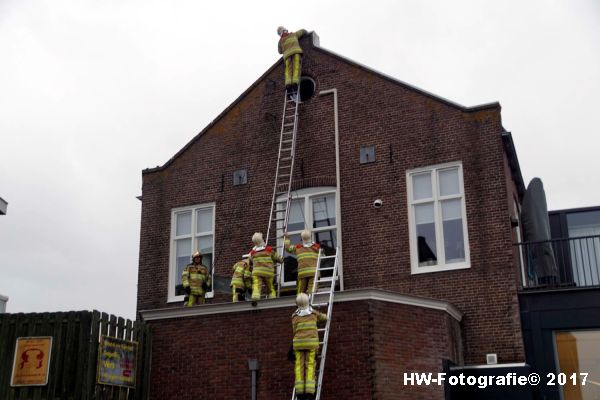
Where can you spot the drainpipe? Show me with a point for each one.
(253, 367)
(338, 210)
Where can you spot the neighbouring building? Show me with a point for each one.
(428, 280)
(561, 318)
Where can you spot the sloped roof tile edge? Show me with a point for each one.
(288, 302)
(315, 44)
(433, 96)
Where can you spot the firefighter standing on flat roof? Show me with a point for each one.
(292, 53)
(307, 254)
(263, 259)
(195, 281)
(241, 281)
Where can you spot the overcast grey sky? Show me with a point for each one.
(92, 92)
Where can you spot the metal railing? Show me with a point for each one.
(560, 263)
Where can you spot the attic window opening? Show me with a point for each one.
(307, 88)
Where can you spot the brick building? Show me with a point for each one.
(429, 276)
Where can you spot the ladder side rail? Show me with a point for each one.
(277, 170)
(327, 328)
(316, 278)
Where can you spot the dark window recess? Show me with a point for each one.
(367, 154)
(240, 177)
(307, 88)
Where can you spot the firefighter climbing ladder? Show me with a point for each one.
(324, 286)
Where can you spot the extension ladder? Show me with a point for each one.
(322, 296)
(280, 206)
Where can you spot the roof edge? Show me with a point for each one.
(480, 107)
(513, 162)
(315, 43)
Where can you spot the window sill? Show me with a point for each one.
(438, 268)
(177, 299)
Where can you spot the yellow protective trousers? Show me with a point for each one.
(258, 282)
(193, 299)
(238, 294)
(305, 371)
(292, 70)
(305, 285)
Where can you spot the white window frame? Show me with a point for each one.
(193, 235)
(307, 194)
(437, 212)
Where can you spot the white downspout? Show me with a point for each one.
(338, 210)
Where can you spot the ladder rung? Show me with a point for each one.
(278, 219)
(321, 329)
(320, 304)
(280, 175)
(287, 141)
(289, 124)
(287, 149)
(326, 269)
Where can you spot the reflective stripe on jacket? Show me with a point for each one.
(263, 261)
(288, 44)
(306, 256)
(306, 336)
(194, 276)
(242, 276)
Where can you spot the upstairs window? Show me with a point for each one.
(437, 219)
(312, 209)
(192, 228)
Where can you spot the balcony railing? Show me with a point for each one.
(561, 263)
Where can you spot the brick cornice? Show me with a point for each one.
(289, 302)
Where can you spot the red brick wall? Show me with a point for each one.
(371, 345)
(409, 130)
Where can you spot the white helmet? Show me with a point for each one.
(305, 235)
(257, 239)
(280, 30)
(302, 301)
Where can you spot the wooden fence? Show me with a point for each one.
(73, 365)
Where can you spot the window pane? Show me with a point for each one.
(579, 352)
(183, 252)
(323, 210)
(449, 182)
(204, 244)
(422, 186)
(184, 224)
(426, 245)
(204, 220)
(328, 242)
(454, 243)
(296, 219)
(295, 239)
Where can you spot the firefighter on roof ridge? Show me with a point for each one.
(306, 345)
(263, 259)
(241, 281)
(307, 254)
(292, 53)
(195, 281)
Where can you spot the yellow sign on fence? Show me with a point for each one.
(32, 361)
(117, 362)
